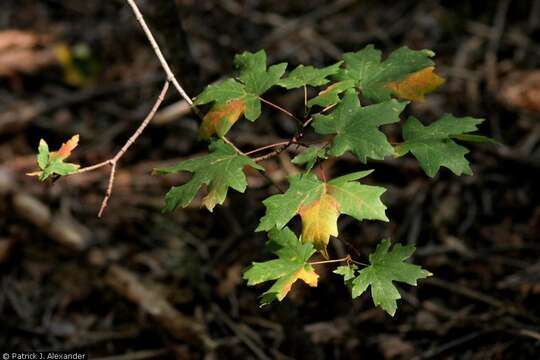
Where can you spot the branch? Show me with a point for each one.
(293, 140)
(114, 160)
(267, 147)
(159, 54)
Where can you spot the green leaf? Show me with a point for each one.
(475, 138)
(308, 75)
(371, 76)
(59, 167)
(254, 74)
(433, 146)
(319, 204)
(290, 266)
(219, 170)
(281, 208)
(257, 79)
(357, 128)
(53, 163)
(362, 202)
(254, 80)
(347, 271)
(310, 156)
(385, 268)
(221, 92)
(43, 154)
(330, 95)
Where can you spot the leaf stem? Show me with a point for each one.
(240, 152)
(346, 258)
(285, 111)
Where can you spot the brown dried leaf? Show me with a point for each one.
(24, 52)
(522, 90)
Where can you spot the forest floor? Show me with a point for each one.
(132, 282)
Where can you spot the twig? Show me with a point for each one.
(267, 147)
(159, 54)
(114, 161)
(180, 326)
(242, 335)
(293, 140)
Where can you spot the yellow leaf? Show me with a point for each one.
(66, 148)
(212, 198)
(221, 117)
(416, 85)
(309, 277)
(319, 221)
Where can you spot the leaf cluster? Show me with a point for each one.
(356, 99)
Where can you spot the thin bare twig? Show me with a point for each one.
(293, 140)
(114, 160)
(159, 54)
(267, 147)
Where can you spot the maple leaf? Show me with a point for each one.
(233, 98)
(52, 163)
(385, 268)
(319, 221)
(416, 85)
(310, 156)
(357, 128)
(221, 92)
(347, 271)
(371, 76)
(221, 118)
(308, 75)
(319, 205)
(290, 266)
(433, 146)
(66, 148)
(219, 170)
(330, 95)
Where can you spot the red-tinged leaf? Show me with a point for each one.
(66, 148)
(221, 117)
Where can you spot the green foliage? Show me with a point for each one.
(330, 95)
(255, 80)
(53, 163)
(433, 145)
(310, 157)
(357, 128)
(291, 265)
(371, 76)
(385, 268)
(335, 113)
(308, 75)
(319, 203)
(219, 170)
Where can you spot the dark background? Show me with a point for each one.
(70, 281)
